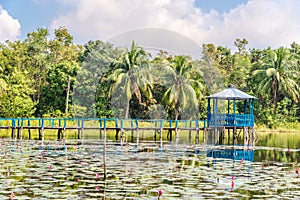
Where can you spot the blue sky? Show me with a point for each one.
(218, 5)
(204, 21)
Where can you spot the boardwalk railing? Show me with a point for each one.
(81, 124)
(99, 123)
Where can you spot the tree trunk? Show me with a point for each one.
(275, 99)
(127, 109)
(39, 89)
(67, 98)
(177, 114)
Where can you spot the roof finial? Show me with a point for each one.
(230, 86)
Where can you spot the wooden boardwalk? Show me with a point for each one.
(211, 134)
(17, 125)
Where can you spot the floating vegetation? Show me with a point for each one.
(34, 172)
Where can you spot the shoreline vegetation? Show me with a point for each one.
(55, 77)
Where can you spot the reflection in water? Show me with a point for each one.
(181, 170)
(234, 153)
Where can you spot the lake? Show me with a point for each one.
(181, 169)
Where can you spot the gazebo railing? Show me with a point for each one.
(237, 120)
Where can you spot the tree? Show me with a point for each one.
(277, 73)
(179, 78)
(91, 86)
(131, 76)
(38, 64)
(15, 90)
(55, 93)
(64, 64)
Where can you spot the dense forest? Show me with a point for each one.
(45, 77)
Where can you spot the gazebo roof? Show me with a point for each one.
(231, 93)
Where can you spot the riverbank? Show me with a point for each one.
(284, 127)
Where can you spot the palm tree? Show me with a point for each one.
(131, 75)
(182, 80)
(277, 73)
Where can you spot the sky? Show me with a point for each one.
(264, 23)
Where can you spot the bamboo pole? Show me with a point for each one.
(160, 135)
(137, 134)
(104, 151)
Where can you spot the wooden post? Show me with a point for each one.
(190, 132)
(176, 131)
(104, 152)
(197, 132)
(78, 129)
(132, 130)
(251, 134)
(64, 133)
(228, 141)
(100, 121)
(59, 134)
(122, 133)
(245, 135)
(21, 130)
(170, 130)
(13, 130)
(29, 132)
(234, 135)
(160, 135)
(82, 131)
(40, 134)
(43, 127)
(137, 133)
(155, 125)
(117, 130)
(204, 135)
(205, 131)
(222, 135)
(252, 130)
(18, 129)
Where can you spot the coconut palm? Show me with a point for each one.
(182, 80)
(131, 76)
(277, 73)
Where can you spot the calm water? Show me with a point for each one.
(182, 169)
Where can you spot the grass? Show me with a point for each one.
(283, 127)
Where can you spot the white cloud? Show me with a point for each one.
(9, 27)
(262, 22)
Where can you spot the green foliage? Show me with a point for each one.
(91, 87)
(183, 84)
(277, 73)
(130, 76)
(55, 92)
(16, 91)
(57, 78)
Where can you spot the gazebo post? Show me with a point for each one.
(228, 106)
(208, 110)
(245, 106)
(234, 121)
